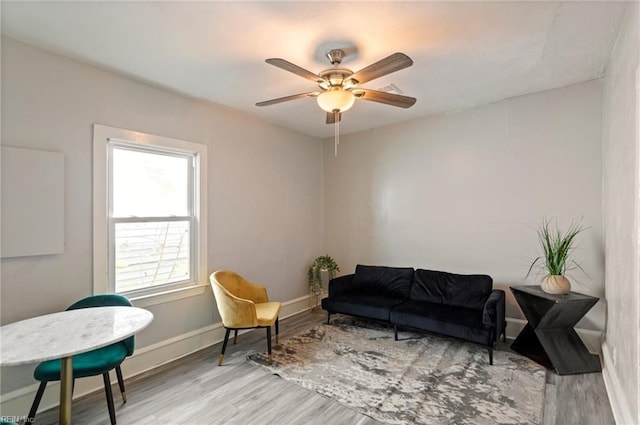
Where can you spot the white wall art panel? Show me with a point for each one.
(32, 202)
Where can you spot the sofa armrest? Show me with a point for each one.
(493, 312)
(340, 285)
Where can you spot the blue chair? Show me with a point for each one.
(92, 363)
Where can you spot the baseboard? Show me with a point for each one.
(617, 397)
(592, 339)
(18, 402)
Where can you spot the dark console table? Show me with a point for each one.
(549, 337)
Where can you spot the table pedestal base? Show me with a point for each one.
(66, 390)
(560, 350)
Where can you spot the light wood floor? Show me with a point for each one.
(195, 390)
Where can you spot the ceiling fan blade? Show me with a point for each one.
(287, 98)
(393, 63)
(386, 98)
(331, 117)
(288, 66)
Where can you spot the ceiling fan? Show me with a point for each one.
(340, 87)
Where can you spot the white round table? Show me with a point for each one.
(64, 334)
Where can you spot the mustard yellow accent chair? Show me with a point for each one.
(243, 305)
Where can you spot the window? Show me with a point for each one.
(152, 217)
(149, 214)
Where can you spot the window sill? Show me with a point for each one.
(168, 296)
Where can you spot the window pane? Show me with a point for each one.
(151, 253)
(147, 184)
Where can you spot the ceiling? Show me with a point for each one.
(465, 53)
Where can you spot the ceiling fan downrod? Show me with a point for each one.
(335, 56)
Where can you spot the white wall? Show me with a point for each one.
(264, 187)
(621, 147)
(465, 192)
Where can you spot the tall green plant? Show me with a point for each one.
(314, 274)
(557, 247)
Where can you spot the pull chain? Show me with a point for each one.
(336, 120)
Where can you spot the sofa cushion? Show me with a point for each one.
(469, 291)
(340, 285)
(369, 306)
(453, 321)
(392, 282)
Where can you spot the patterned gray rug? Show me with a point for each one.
(422, 379)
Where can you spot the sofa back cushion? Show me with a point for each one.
(470, 291)
(384, 281)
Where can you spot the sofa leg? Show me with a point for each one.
(504, 332)
(491, 355)
(395, 333)
(328, 317)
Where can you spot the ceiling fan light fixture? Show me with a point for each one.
(336, 100)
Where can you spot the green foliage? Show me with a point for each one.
(557, 247)
(314, 274)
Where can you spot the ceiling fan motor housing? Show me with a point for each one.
(336, 77)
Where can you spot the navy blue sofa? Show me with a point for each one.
(461, 306)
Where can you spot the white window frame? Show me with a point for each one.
(103, 136)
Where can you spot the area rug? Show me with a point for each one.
(421, 379)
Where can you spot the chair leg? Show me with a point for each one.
(395, 333)
(504, 332)
(277, 330)
(121, 383)
(269, 343)
(36, 402)
(491, 355)
(224, 346)
(328, 317)
(109, 394)
(235, 337)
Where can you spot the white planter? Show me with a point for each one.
(555, 284)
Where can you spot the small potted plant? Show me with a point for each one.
(323, 263)
(557, 247)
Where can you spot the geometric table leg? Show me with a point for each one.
(560, 350)
(528, 344)
(567, 352)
